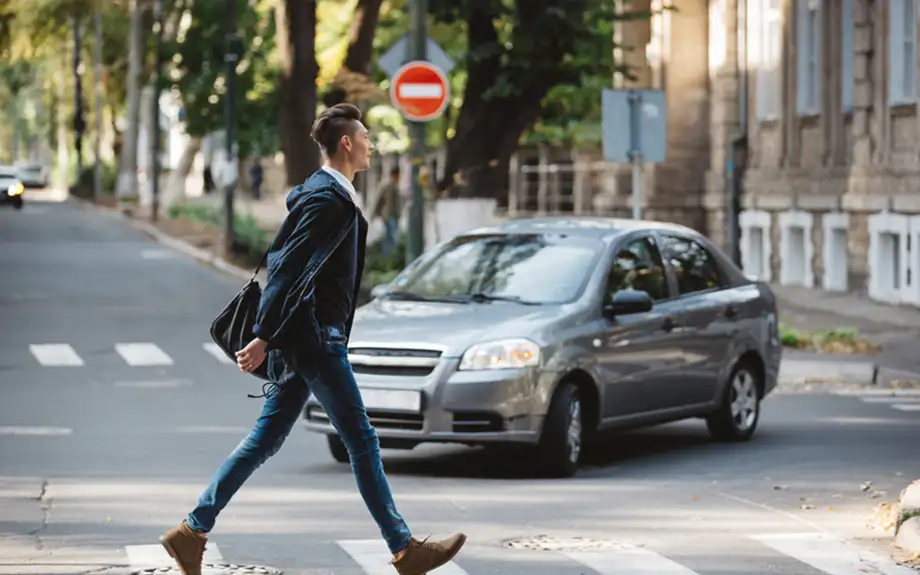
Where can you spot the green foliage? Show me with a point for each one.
(199, 76)
(251, 240)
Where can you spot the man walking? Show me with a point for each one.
(302, 328)
(388, 209)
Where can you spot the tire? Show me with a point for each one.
(337, 449)
(738, 415)
(17, 204)
(561, 442)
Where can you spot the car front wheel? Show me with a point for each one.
(559, 451)
(337, 449)
(737, 417)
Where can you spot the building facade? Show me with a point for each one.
(808, 111)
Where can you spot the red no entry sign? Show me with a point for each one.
(420, 91)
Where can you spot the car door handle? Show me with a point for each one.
(730, 311)
(669, 324)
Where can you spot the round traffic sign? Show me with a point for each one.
(420, 91)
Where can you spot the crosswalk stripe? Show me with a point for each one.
(831, 555)
(906, 406)
(889, 399)
(215, 350)
(628, 561)
(142, 354)
(879, 392)
(55, 355)
(374, 557)
(34, 430)
(146, 556)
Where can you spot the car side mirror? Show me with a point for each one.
(379, 290)
(628, 301)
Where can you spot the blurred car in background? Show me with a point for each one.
(540, 333)
(11, 187)
(33, 175)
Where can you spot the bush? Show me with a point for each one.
(251, 240)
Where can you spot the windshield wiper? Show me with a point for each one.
(480, 297)
(410, 296)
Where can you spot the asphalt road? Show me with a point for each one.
(106, 450)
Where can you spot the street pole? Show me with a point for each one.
(155, 112)
(97, 101)
(230, 57)
(635, 152)
(418, 50)
(78, 122)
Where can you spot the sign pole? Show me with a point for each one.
(418, 50)
(635, 151)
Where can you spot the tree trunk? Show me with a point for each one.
(175, 189)
(296, 46)
(126, 186)
(360, 46)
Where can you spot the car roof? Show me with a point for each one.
(585, 226)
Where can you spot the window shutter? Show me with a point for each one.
(895, 51)
(846, 64)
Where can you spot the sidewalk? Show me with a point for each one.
(896, 329)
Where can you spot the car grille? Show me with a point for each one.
(379, 419)
(393, 361)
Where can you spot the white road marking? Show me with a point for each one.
(888, 399)
(34, 430)
(215, 350)
(831, 555)
(628, 560)
(886, 392)
(906, 406)
(428, 91)
(374, 557)
(146, 556)
(154, 383)
(55, 355)
(142, 354)
(158, 254)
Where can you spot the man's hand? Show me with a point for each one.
(251, 357)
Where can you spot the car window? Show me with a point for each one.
(638, 266)
(694, 267)
(538, 268)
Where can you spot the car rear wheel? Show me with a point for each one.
(737, 417)
(337, 449)
(559, 451)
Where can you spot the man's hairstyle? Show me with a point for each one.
(333, 123)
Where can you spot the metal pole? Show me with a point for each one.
(230, 58)
(155, 112)
(635, 152)
(77, 96)
(417, 51)
(97, 101)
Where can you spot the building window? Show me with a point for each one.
(902, 74)
(846, 64)
(769, 67)
(808, 51)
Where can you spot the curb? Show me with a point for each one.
(196, 253)
(907, 532)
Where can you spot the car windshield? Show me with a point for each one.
(528, 268)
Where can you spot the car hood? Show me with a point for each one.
(454, 325)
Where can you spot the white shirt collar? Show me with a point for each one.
(340, 178)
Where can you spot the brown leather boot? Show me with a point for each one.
(186, 546)
(421, 556)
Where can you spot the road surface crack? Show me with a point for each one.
(45, 500)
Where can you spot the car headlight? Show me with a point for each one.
(15, 189)
(502, 354)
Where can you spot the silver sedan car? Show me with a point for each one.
(540, 333)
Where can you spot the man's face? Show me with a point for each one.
(358, 148)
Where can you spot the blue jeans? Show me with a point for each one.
(391, 226)
(329, 377)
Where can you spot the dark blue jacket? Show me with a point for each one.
(320, 215)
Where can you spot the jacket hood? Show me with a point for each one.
(318, 183)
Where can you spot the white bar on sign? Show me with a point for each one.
(830, 554)
(432, 91)
(374, 557)
(907, 407)
(146, 556)
(55, 355)
(628, 561)
(142, 354)
(215, 350)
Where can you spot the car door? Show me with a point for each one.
(709, 314)
(639, 354)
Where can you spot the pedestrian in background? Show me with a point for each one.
(389, 207)
(302, 329)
